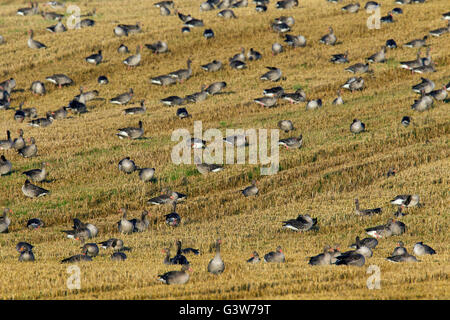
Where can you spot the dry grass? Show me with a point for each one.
(321, 179)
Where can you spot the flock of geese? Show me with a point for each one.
(362, 249)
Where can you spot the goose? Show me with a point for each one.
(141, 225)
(163, 80)
(5, 100)
(446, 16)
(85, 23)
(416, 43)
(421, 249)
(51, 15)
(42, 122)
(77, 258)
(406, 257)
(19, 142)
(136, 110)
(30, 150)
(182, 17)
(266, 101)
(280, 27)
(126, 165)
(113, 243)
(5, 221)
(237, 64)
(322, 259)
(57, 28)
(32, 191)
(251, 190)
(196, 143)
(206, 6)
(238, 140)
(89, 249)
(397, 11)
(216, 87)
(273, 75)
(212, 66)
(409, 65)
(146, 174)
(6, 144)
(397, 227)
(351, 8)
(399, 250)
(134, 60)
(5, 166)
(261, 8)
(173, 219)
(379, 56)
(426, 85)
(370, 243)
(254, 258)
(292, 142)
(314, 104)
(227, 14)
(179, 258)
(287, 4)
(301, 223)
(354, 83)
(425, 68)
(35, 223)
(120, 30)
(183, 113)
(123, 49)
(276, 48)
(216, 265)
(38, 88)
(275, 256)
(440, 31)
(60, 80)
(371, 6)
(205, 168)
(23, 246)
(330, 38)
(198, 96)
(295, 41)
(224, 4)
(387, 19)
(123, 99)
(286, 125)
(340, 58)
(167, 257)
(182, 74)
(358, 68)
(95, 58)
(351, 259)
(274, 92)
(33, 44)
(132, 28)
(426, 61)
(55, 4)
(118, 256)
(425, 102)
(125, 226)
(406, 200)
(240, 4)
(8, 85)
(176, 277)
(26, 255)
(32, 10)
(102, 80)
(37, 175)
(131, 132)
(164, 11)
(381, 231)
(78, 105)
(298, 96)
(290, 21)
(339, 99)
(158, 47)
(208, 34)
(167, 196)
(366, 212)
(391, 44)
(357, 126)
(173, 101)
(19, 115)
(87, 96)
(441, 94)
(253, 55)
(193, 23)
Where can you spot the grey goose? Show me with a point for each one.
(26, 255)
(238, 64)
(32, 191)
(51, 15)
(380, 56)
(60, 80)
(182, 113)
(5, 221)
(358, 68)
(274, 92)
(163, 80)
(254, 258)
(158, 47)
(176, 277)
(113, 243)
(57, 28)
(127, 165)
(366, 242)
(314, 104)
(77, 258)
(182, 74)
(33, 44)
(276, 256)
(354, 83)
(32, 10)
(134, 60)
(409, 65)
(167, 196)
(426, 85)
(365, 212)
(399, 250)
(38, 88)
(357, 126)
(227, 14)
(280, 27)
(102, 80)
(208, 34)
(351, 8)
(123, 49)
(205, 168)
(406, 200)
(173, 101)
(339, 99)
(136, 110)
(90, 249)
(124, 225)
(330, 38)
(416, 43)
(266, 101)
(216, 265)
(37, 175)
(421, 249)
(286, 125)
(19, 142)
(22, 245)
(286, 4)
(198, 96)
(425, 102)
(6, 144)
(216, 87)
(5, 166)
(406, 257)
(351, 259)
(146, 174)
(322, 259)
(440, 31)
(212, 66)
(86, 96)
(42, 122)
(35, 223)
(440, 94)
(251, 190)
(289, 20)
(141, 225)
(292, 142)
(276, 48)
(30, 150)
(118, 256)
(274, 74)
(253, 55)
(131, 132)
(301, 223)
(95, 58)
(371, 6)
(340, 57)
(173, 219)
(296, 97)
(295, 41)
(123, 98)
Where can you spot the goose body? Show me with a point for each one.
(274, 92)
(322, 259)
(351, 8)
(426, 85)
(146, 174)
(216, 87)
(358, 68)
(19, 142)
(57, 28)
(441, 31)
(254, 258)
(34, 9)
(182, 113)
(131, 132)
(253, 55)
(35, 223)
(95, 58)
(205, 168)
(292, 142)
(267, 102)
(127, 165)
(32, 191)
(425, 102)
(416, 43)
(158, 47)
(276, 48)
(216, 265)
(28, 151)
(421, 249)
(42, 122)
(213, 66)
(26, 255)
(276, 256)
(182, 74)
(118, 256)
(175, 277)
(38, 87)
(440, 95)
(90, 249)
(167, 197)
(410, 65)
(227, 14)
(339, 58)
(125, 226)
(330, 38)
(298, 96)
(37, 175)
(77, 258)
(354, 83)
(339, 99)
(357, 126)
(406, 200)
(123, 98)
(163, 80)
(5, 166)
(301, 223)
(314, 104)
(198, 96)
(5, 221)
(380, 56)
(8, 143)
(286, 125)
(33, 44)
(141, 225)
(366, 242)
(354, 259)
(134, 60)
(60, 80)
(366, 212)
(136, 110)
(251, 190)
